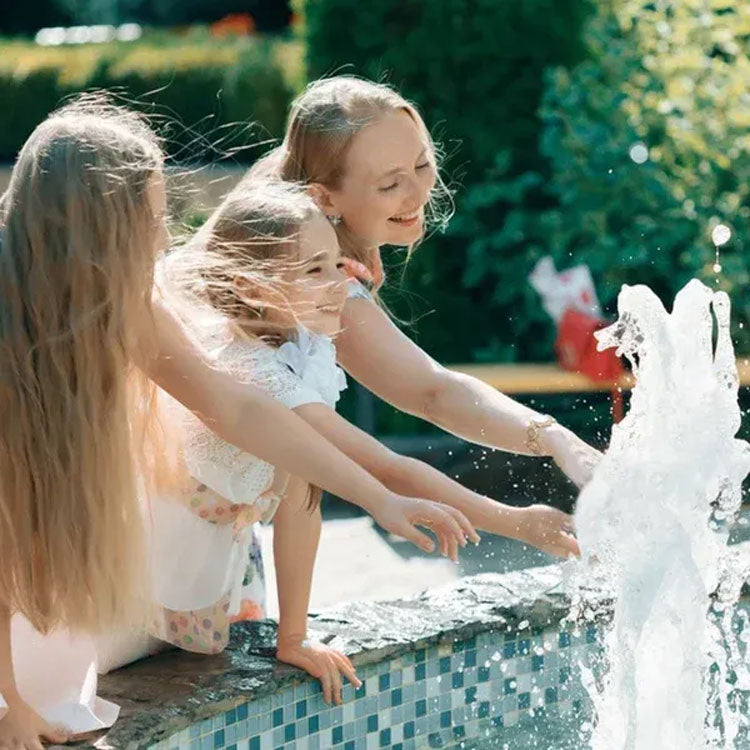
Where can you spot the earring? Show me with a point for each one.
(335, 220)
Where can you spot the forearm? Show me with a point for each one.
(293, 446)
(414, 478)
(470, 409)
(295, 544)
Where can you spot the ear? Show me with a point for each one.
(323, 198)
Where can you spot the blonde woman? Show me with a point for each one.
(81, 225)
(367, 157)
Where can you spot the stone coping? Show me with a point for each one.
(164, 694)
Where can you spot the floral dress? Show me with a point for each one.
(208, 569)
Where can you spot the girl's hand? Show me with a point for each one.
(548, 529)
(320, 661)
(401, 516)
(575, 457)
(23, 729)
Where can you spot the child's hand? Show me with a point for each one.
(401, 515)
(23, 729)
(320, 661)
(548, 529)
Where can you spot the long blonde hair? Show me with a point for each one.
(77, 246)
(252, 236)
(322, 122)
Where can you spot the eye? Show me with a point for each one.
(340, 265)
(425, 165)
(389, 187)
(314, 269)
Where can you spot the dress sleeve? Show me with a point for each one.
(357, 290)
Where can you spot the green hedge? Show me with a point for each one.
(213, 89)
(673, 77)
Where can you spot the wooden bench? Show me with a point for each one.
(518, 379)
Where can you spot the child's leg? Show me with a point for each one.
(124, 647)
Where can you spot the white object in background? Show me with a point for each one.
(561, 290)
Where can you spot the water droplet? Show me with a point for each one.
(523, 624)
(638, 152)
(717, 267)
(721, 234)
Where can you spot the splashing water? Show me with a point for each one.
(655, 520)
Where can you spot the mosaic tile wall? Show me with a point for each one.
(427, 698)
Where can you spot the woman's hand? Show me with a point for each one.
(401, 516)
(23, 729)
(575, 457)
(320, 661)
(547, 529)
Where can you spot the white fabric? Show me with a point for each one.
(56, 676)
(194, 562)
(357, 290)
(312, 358)
(573, 287)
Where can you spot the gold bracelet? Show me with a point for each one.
(532, 434)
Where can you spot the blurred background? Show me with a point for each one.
(613, 133)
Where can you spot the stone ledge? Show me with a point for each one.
(164, 694)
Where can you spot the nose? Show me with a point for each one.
(420, 190)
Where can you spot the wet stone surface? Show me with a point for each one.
(164, 694)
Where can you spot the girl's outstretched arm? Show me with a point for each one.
(252, 420)
(415, 383)
(540, 525)
(296, 533)
(21, 728)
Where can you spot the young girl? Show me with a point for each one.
(80, 228)
(269, 263)
(367, 157)
(267, 295)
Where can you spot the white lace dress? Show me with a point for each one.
(207, 564)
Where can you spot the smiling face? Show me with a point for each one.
(388, 175)
(312, 291)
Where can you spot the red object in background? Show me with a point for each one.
(576, 347)
(238, 24)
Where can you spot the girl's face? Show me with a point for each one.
(389, 173)
(313, 293)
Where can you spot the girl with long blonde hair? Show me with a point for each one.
(81, 225)
(367, 157)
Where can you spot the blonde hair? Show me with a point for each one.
(77, 245)
(253, 235)
(322, 122)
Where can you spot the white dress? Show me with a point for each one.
(197, 562)
(203, 537)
